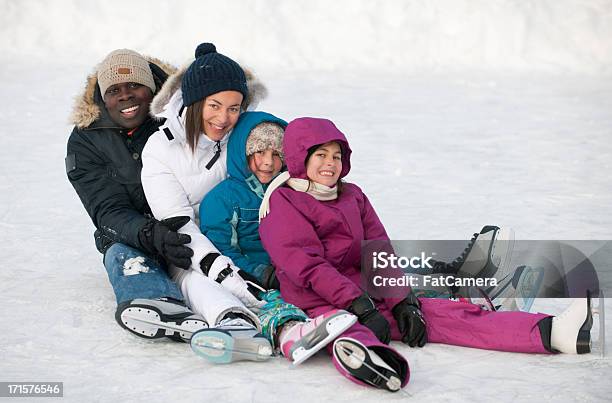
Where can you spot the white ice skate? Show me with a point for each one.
(304, 339)
(571, 331)
(235, 339)
(365, 365)
(156, 318)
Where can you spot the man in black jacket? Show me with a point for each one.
(112, 125)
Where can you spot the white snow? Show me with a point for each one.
(460, 113)
(134, 266)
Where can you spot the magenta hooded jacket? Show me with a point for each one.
(316, 245)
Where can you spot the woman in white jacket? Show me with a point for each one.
(182, 162)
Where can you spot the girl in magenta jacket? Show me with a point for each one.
(313, 229)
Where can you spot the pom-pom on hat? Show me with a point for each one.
(211, 72)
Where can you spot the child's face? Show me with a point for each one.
(325, 164)
(265, 165)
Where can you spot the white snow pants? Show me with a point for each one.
(207, 297)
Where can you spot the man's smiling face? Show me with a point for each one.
(128, 103)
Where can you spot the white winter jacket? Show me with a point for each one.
(174, 178)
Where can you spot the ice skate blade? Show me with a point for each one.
(600, 311)
(356, 360)
(315, 341)
(219, 347)
(149, 323)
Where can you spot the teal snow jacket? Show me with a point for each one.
(229, 214)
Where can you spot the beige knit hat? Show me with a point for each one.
(124, 66)
(264, 136)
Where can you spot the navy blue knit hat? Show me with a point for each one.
(211, 72)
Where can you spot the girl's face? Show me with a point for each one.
(265, 165)
(325, 164)
(220, 113)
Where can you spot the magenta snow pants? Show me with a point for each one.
(456, 323)
(468, 325)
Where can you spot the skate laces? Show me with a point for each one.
(459, 261)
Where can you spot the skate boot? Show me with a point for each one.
(156, 318)
(571, 331)
(365, 365)
(488, 252)
(235, 339)
(304, 339)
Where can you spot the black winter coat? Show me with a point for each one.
(103, 165)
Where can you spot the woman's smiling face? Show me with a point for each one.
(220, 113)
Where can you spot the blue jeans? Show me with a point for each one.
(141, 277)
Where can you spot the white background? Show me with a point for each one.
(460, 114)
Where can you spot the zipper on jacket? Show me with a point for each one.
(215, 157)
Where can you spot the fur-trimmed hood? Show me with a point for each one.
(88, 106)
(257, 91)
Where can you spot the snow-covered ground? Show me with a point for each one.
(460, 114)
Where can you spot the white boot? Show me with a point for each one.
(571, 331)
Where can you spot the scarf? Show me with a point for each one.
(316, 190)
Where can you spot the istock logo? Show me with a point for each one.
(383, 260)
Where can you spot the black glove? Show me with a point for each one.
(365, 310)
(162, 238)
(410, 321)
(269, 280)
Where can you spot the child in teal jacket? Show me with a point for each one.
(229, 212)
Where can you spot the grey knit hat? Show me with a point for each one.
(264, 136)
(124, 66)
